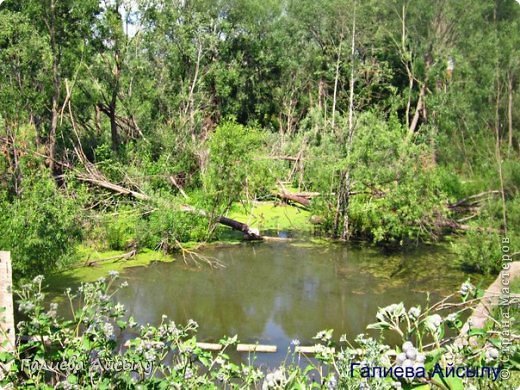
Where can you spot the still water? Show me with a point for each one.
(272, 293)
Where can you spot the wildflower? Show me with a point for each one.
(407, 345)
(279, 377)
(491, 354)
(38, 279)
(119, 308)
(452, 317)
(295, 342)
(414, 312)
(108, 330)
(188, 374)
(124, 284)
(331, 383)
(400, 358)
(26, 307)
(149, 356)
(113, 274)
(433, 322)
(465, 288)
(411, 353)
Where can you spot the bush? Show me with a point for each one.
(234, 172)
(40, 228)
(480, 252)
(120, 227)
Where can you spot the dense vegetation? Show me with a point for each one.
(117, 115)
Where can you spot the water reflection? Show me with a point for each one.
(273, 293)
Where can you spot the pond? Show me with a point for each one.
(272, 293)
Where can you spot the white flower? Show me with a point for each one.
(108, 330)
(491, 354)
(452, 317)
(433, 322)
(411, 353)
(414, 312)
(407, 345)
(295, 342)
(400, 358)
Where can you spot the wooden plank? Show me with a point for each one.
(210, 346)
(309, 350)
(7, 335)
(256, 348)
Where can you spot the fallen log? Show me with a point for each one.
(101, 182)
(472, 201)
(249, 233)
(294, 198)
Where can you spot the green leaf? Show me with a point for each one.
(453, 383)
(72, 379)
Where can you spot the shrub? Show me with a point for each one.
(40, 228)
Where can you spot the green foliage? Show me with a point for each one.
(120, 228)
(235, 168)
(40, 227)
(166, 228)
(167, 355)
(480, 252)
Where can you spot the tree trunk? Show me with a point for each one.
(113, 107)
(56, 88)
(249, 233)
(346, 223)
(294, 198)
(336, 80)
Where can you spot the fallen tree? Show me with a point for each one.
(96, 178)
(287, 196)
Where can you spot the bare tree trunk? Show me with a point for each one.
(112, 108)
(418, 110)
(407, 64)
(51, 25)
(336, 80)
(346, 223)
(190, 107)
